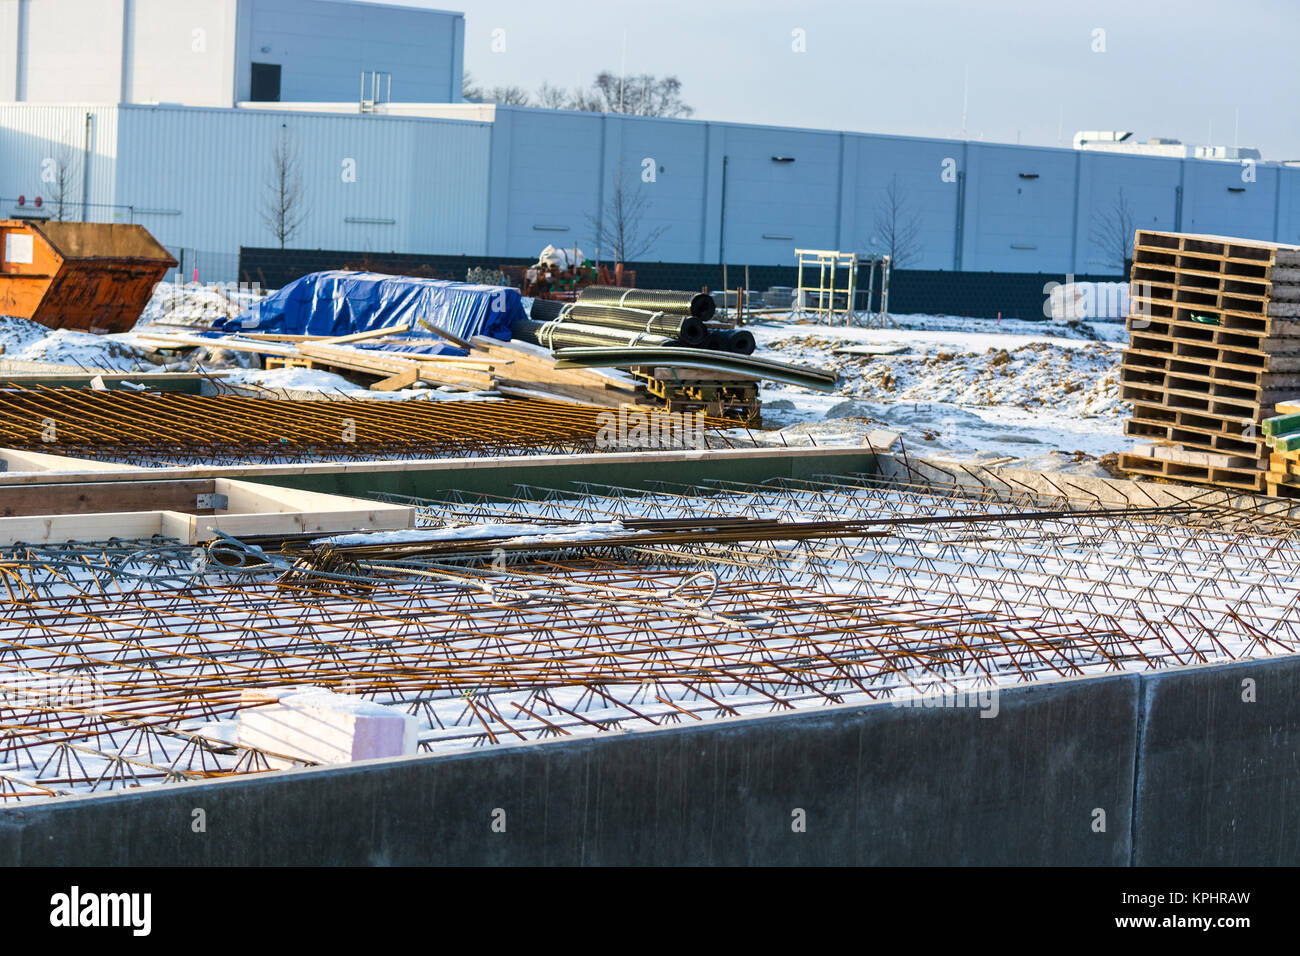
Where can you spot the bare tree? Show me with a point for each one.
(64, 171)
(1112, 232)
(284, 206)
(553, 97)
(643, 94)
(469, 90)
(621, 228)
(898, 228)
(507, 96)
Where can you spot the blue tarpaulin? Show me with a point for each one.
(340, 303)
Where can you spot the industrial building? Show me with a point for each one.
(392, 161)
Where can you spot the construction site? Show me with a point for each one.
(369, 562)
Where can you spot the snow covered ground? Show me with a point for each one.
(1043, 394)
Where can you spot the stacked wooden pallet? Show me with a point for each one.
(1214, 344)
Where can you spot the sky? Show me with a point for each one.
(1031, 72)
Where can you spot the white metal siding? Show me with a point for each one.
(198, 179)
(323, 47)
(33, 139)
(927, 198)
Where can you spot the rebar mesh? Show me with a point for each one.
(124, 664)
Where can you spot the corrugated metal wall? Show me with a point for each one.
(35, 140)
(200, 178)
(974, 206)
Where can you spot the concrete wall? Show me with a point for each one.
(878, 785)
(70, 51)
(1185, 771)
(1218, 766)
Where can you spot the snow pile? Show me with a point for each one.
(27, 341)
(965, 389)
(197, 305)
(16, 334)
(1082, 379)
(295, 379)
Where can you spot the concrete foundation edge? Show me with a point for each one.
(1161, 769)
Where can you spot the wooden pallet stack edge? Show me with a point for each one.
(1282, 433)
(1214, 344)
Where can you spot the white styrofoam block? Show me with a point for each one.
(324, 727)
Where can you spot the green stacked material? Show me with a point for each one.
(1282, 432)
(1281, 424)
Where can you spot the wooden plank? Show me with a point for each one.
(442, 333)
(92, 498)
(226, 342)
(1285, 443)
(398, 380)
(1192, 456)
(1243, 478)
(81, 527)
(368, 334)
(388, 364)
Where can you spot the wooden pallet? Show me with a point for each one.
(1186, 250)
(687, 390)
(1193, 437)
(1192, 456)
(1246, 479)
(1214, 342)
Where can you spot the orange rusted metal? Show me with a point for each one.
(94, 276)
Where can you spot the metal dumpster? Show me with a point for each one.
(95, 276)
